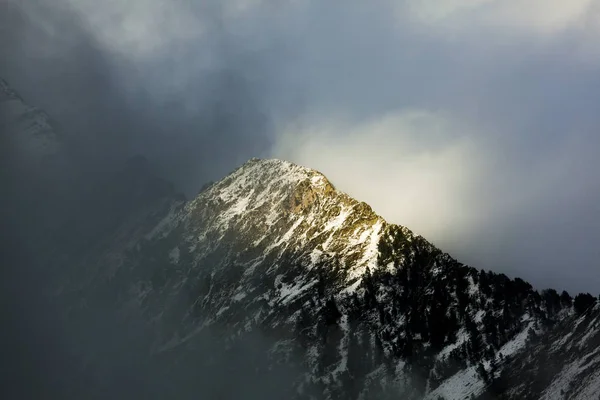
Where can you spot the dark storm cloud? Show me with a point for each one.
(192, 107)
(472, 122)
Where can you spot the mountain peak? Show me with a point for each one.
(304, 186)
(274, 209)
(287, 169)
(275, 249)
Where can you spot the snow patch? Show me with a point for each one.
(239, 296)
(289, 292)
(166, 224)
(371, 251)
(338, 221)
(460, 386)
(174, 255)
(462, 337)
(517, 343)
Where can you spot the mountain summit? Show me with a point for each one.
(273, 208)
(276, 280)
(270, 284)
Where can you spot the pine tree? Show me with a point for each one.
(582, 302)
(329, 333)
(378, 354)
(303, 328)
(482, 372)
(356, 364)
(566, 299)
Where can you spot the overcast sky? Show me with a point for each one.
(475, 123)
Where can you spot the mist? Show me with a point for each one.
(474, 124)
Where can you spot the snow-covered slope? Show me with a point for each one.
(272, 208)
(273, 284)
(562, 364)
(356, 307)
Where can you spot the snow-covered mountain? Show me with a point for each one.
(346, 304)
(272, 284)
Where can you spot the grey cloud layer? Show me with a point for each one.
(499, 168)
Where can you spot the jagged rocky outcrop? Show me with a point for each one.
(333, 301)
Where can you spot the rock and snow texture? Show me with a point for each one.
(362, 308)
(276, 208)
(563, 364)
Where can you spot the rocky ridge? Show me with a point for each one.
(274, 248)
(273, 284)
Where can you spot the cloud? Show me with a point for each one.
(169, 81)
(474, 123)
(414, 167)
(479, 118)
(539, 17)
(500, 203)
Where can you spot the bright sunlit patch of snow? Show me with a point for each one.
(363, 236)
(318, 180)
(315, 256)
(371, 251)
(272, 217)
(356, 238)
(327, 242)
(240, 206)
(286, 237)
(338, 221)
